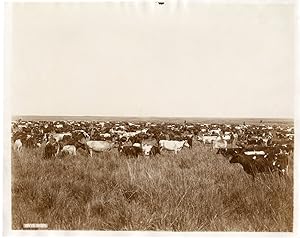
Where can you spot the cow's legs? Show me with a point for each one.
(57, 151)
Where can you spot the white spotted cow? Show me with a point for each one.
(148, 150)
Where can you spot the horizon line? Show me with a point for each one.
(183, 117)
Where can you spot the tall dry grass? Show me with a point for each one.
(196, 190)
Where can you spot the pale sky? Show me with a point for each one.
(141, 59)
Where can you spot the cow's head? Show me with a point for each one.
(186, 144)
(235, 159)
(80, 145)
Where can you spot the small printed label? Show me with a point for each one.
(35, 226)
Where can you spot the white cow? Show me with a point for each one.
(106, 135)
(99, 146)
(18, 145)
(136, 144)
(253, 152)
(219, 144)
(59, 136)
(208, 139)
(146, 149)
(173, 145)
(69, 149)
(227, 136)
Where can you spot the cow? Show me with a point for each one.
(60, 136)
(190, 141)
(72, 148)
(130, 150)
(146, 149)
(135, 139)
(67, 140)
(68, 149)
(81, 135)
(173, 145)
(229, 152)
(30, 142)
(98, 146)
(51, 148)
(208, 139)
(254, 152)
(218, 144)
(281, 163)
(260, 164)
(18, 145)
(154, 151)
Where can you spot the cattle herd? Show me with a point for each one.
(257, 147)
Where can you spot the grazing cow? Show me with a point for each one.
(173, 145)
(146, 149)
(281, 163)
(135, 139)
(254, 152)
(154, 151)
(190, 141)
(229, 152)
(30, 142)
(99, 146)
(131, 150)
(228, 137)
(259, 164)
(136, 144)
(60, 136)
(81, 135)
(67, 140)
(71, 149)
(208, 139)
(18, 145)
(219, 144)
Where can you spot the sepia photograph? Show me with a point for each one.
(158, 116)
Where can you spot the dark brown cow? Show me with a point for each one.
(261, 164)
(131, 150)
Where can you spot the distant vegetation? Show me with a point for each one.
(196, 190)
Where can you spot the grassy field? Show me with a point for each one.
(196, 190)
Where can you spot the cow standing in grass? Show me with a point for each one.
(131, 150)
(71, 149)
(51, 149)
(173, 145)
(148, 150)
(99, 146)
(18, 145)
(268, 163)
